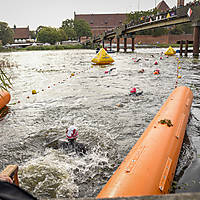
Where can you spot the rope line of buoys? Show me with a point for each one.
(178, 76)
(34, 91)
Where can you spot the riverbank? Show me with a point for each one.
(46, 48)
(79, 46)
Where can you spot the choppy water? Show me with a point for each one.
(88, 100)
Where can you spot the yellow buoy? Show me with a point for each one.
(34, 92)
(102, 58)
(170, 51)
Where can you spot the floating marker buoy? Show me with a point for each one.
(170, 51)
(179, 77)
(106, 72)
(27, 97)
(18, 102)
(179, 67)
(156, 63)
(161, 58)
(102, 58)
(72, 74)
(34, 92)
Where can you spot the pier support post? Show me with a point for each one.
(196, 39)
(125, 44)
(181, 47)
(110, 44)
(118, 44)
(186, 47)
(103, 43)
(133, 44)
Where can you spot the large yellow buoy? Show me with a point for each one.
(102, 58)
(149, 167)
(170, 51)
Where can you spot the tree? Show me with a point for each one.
(68, 27)
(51, 35)
(6, 33)
(82, 28)
(176, 30)
(33, 34)
(75, 29)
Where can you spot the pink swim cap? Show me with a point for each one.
(133, 90)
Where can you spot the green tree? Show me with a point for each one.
(176, 30)
(159, 31)
(51, 35)
(33, 34)
(6, 33)
(82, 28)
(68, 27)
(75, 29)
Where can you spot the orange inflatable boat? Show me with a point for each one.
(149, 167)
(4, 98)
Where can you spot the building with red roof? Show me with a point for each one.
(162, 6)
(21, 34)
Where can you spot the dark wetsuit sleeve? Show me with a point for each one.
(80, 148)
(139, 93)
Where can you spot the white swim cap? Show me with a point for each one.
(72, 132)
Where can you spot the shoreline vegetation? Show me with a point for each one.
(80, 46)
(40, 48)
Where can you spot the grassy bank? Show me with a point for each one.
(54, 47)
(40, 48)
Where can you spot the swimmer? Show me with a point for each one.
(157, 71)
(69, 144)
(141, 71)
(134, 93)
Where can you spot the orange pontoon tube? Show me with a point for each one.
(4, 98)
(149, 167)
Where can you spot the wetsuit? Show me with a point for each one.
(73, 146)
(136, 94)
(69, 146)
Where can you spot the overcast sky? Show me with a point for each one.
(52, 12)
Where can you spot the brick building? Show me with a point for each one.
(100, 23)
(21, 35)
(162, 6)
